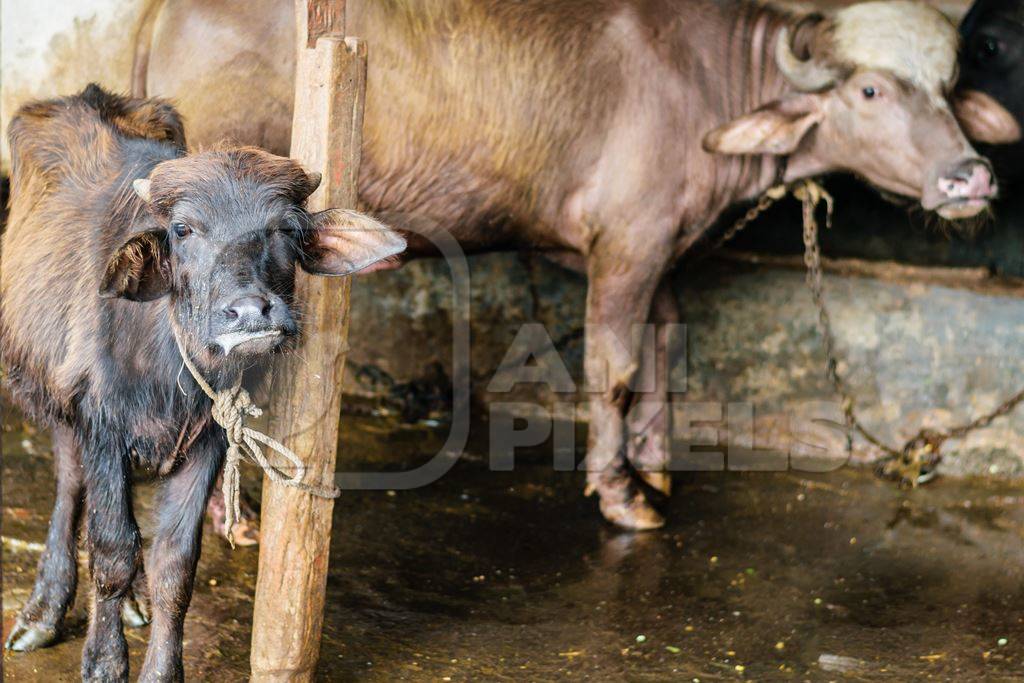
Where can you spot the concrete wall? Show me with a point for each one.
(56, 47)
(923, 346)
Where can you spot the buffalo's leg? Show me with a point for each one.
(114, 547)
(173, 558)
(621, 285)
(649, 426)
(40, 620)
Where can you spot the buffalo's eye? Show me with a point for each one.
(869, 92)
(181, 230)
(988, 47)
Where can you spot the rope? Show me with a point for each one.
(229, 410)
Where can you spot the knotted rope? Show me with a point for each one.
(229, 410)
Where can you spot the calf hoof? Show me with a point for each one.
(247, 528)
(246, 532)
(105, 664)
(28, 637)
(134, 612)
(634, 513)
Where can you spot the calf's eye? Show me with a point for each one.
(869, 92)
(181, 230)
(989, 48)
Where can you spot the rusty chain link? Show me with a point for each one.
(764, 202)
(915, 462)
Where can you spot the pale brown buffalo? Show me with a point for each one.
(611, 133)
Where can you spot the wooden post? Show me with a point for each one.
(296, 527)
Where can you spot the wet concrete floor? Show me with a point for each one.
(512, 576)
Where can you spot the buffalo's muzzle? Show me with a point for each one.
(252, 307)
(966, 189)
(253, 324)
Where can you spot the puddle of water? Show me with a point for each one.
(506, 576)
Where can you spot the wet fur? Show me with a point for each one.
(104, 373)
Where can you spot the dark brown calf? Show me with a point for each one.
(107, 212)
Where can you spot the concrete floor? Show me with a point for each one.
(512, 576)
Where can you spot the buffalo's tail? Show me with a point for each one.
(143, 45)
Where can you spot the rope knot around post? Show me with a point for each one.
(229, 410)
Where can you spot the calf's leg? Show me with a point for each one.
(40, 620)
(114, 547)
(173, 558)
(621, 285)
(649, 426)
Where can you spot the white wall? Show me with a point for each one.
(56, 47)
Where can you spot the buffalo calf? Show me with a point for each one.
(118, 241)
(990, 101)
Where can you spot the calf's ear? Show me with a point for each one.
(341, 242)
(140, 269)
(984, 119)
(776, 128)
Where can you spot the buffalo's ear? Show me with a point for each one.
(776, 128)
(985, 120)
(340, 242)
(140, 269)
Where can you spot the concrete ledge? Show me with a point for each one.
(922, 346)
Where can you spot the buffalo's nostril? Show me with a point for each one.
(969, 180)
(248, 307)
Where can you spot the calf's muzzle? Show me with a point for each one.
(254, 323)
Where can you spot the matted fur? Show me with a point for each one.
(202, 175)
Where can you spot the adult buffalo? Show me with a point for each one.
(991, 101)
(611, 131)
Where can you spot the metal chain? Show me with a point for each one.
(810, 194)
(764, 202)
(915, 462)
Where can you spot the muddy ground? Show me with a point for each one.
(513, 576)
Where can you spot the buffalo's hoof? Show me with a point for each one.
(247, 528)
(659, 481)
(246, 532)
(635, 513)
(25, 638)
(134, 612)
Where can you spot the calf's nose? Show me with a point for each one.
(971, 179)
(248, 307)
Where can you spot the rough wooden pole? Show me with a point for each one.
(305, 409)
